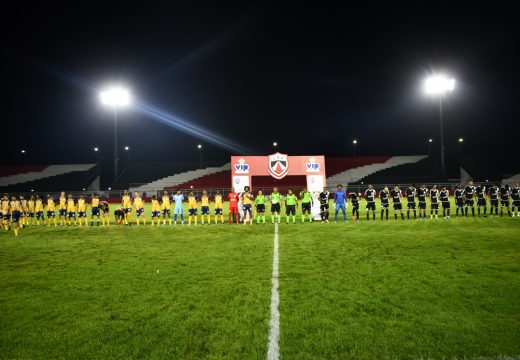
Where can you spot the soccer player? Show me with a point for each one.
(30, 210)
(105, 212)
(493, 199)
(445, 200)
(247, 201)
(218, 207)
(204, 207)
(233, 207)
(94, 209)
(260, 207)
(82, 210)
(396, 200)
(480, 190)
(139, 208)
(354, 199)
(23, 204)
(5, 212)
(469, 193)
(291, 202)
(515, 195)
(38, 209)
(434, 202)
(126, 204)
(62, 213)
(422, 194)
(240, 207)
(384, 195)
(166, 208)
(370, 197)
(324, 205)
(156, 210)
(178, 198)
(192, 208)
(51, 208)
(411, 191)
(119, 215)
(306, 198)
(276, 199)
(504, 200)
(340, 198)
(71, 210)
(15, 208)
(459, 200)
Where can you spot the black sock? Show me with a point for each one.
(368, 216)
(395, 215)
(408, 214)
(415, 214)
(382, 213)
(473, 211)
(402, 216)
(373, 215)
(386, 214)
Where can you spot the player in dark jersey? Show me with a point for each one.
(515, 195)
(504, 199)
(422, 194)
(396, 200)
(459, 200)
(324, 205)
(411, 191)
(434, 202)
(370, 197)
(480, 190)
(469, 194)
(445, 200)
(493, 199)
(384, 195)
(354, 199)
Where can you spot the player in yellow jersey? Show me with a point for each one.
(126, 203)
(6, 216)
(38, 208)
(204, 207)
(15, 208)
(156, 210)
(218, 208)
(94, 209)
(139, 208)
(71, 210)
(62, 209)
(82, 210)
(23, 204)
(247, 201)
(30, 210)
(51, 208)
(166, 208)
(192, 208)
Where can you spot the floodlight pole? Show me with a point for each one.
(115, 144)
(442, 134)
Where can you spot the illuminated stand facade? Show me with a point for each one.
(244, 168)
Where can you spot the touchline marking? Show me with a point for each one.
(273, 350)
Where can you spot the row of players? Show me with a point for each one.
(19, 211)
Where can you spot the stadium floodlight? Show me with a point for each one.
(354, 143)
(96, 149)
(24, 153)
(461, 140)
(430, 140)
(275, 144)
(459, 146)
(127, 148)
(115, 97)
(438, 85)
(199, 146)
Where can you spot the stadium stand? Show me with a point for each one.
(52, 178)
(489, 167)
(14, 170)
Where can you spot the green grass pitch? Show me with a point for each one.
(435, 289)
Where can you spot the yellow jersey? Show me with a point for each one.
(15, 206)
(204, 201)
(5, 207)
(63, 203)
(192, 202)
(247, 199)
(23, 204)
(138, 203)
(218, 201)
(50, 205)
(38, 206)
(95, 203)
(82, 206)
(30, 206)
(127, 202)
(166, 202)
(156, 206)
(70, 206)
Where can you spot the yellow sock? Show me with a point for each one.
(16, 231)
(38, 222)
(144, 221)
(54, 221)
(196, 218)
(189, 220)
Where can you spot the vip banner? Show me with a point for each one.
(278, 166)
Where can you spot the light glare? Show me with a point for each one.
(438, 84)
(116, 96)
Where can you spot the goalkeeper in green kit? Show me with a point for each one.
(276, 199)
(291, 202)
(306, 197)
(260, 207)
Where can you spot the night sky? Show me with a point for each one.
(311, 78)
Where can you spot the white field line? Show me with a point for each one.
(273, 349)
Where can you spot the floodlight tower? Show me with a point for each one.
(199, 146)
(439, 85)
(115, 97)
(354, 143)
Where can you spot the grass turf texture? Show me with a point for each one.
(375, 290)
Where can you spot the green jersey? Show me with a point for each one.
(260, 200)
(276, 198)
(291, 199)
(305, 196)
